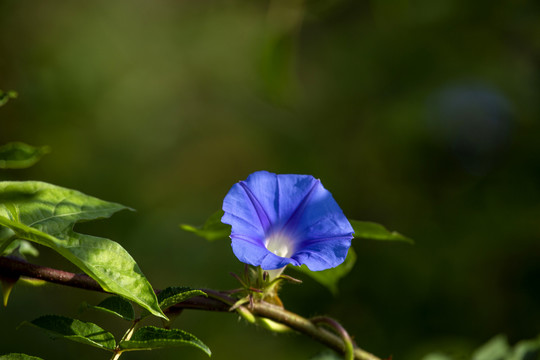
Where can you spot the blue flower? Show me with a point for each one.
(278, 220)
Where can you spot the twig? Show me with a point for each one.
(218, 301)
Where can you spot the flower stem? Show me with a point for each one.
(116, 355)
(349, 346)
(127, 335)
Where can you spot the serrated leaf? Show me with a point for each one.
(495, 349)
(75, 330)
(18, 155)
(175, 294)
(45, 214)
(330, 278)
(213, 228)
(18, 357)
(150, 337)
(6, 96)
(117, 306)
(373, 231)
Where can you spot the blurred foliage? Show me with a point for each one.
(498, 349)
(6, 96)
(17, 155)
(419, 115)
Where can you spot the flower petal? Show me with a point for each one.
(266, 208)
(248, 251)
(241, 214)
(261, 189)
(323, 254)
(294, 192)
(322, 217)
(254, 253)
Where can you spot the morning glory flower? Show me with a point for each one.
(278, 220)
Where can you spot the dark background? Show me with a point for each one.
(420, 115)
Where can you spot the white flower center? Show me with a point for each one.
(279, 244)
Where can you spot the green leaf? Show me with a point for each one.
(173, 295)
(330, 278)
(495, 349)
(213, 228)
(20, 248)
(150, 337)
(526, 350)
(18, 357)
(75, 330)
(17, 155)
(46, 214)
(115, 305)
(327, 355)
(374, 231)
(6, 96)
(436, 356)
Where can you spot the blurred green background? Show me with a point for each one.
(420, 115)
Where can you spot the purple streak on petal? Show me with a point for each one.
(325, 240)
(323, 218)
(261, 214)
(291, 190)
(248, 252)
(295, 217)
(263, 187)
(254, 241)
(239, 213)
(243, 226)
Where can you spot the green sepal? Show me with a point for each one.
(18, 357)
(45, 214)
(18, 155)
(373, 231)
(151, 337)
(75, 330)
(329, 278)
(213, 228)
(114, 305)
